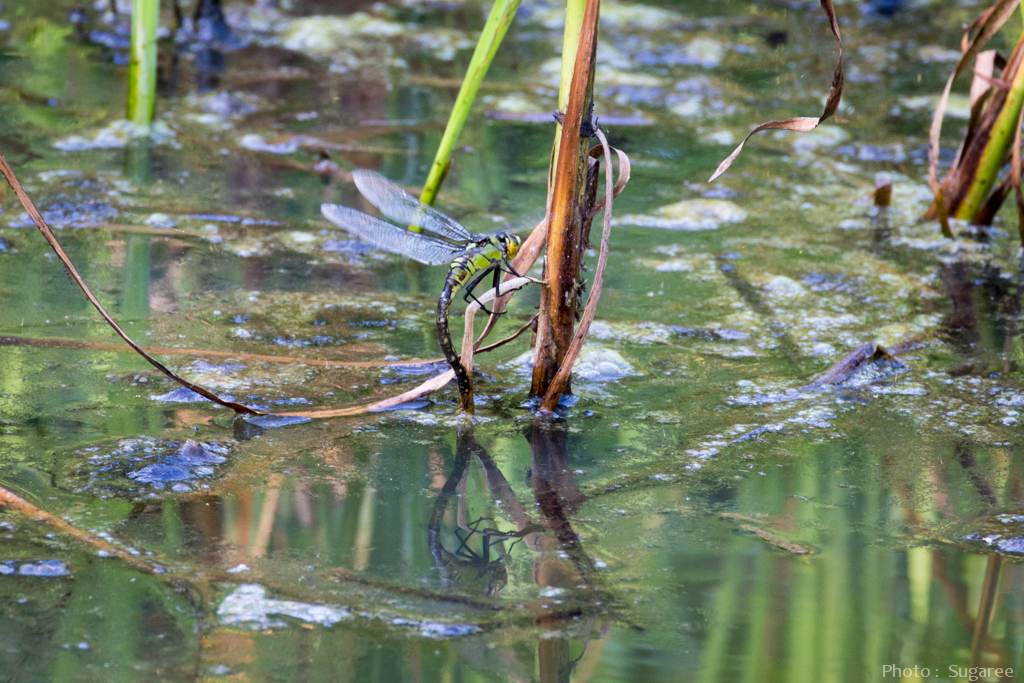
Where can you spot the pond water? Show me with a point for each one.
(703, 510)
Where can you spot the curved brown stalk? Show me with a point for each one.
(48, 234)
(206, 353)
(468, 347)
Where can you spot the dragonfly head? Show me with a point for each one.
(510, 243)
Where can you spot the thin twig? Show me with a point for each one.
(206, 353)
(432, 384)
(22, 506)
(490, 347)
(48, 234)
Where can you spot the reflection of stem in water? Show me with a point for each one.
(364, 530)
(787, 348)
(726, 598)
(954, 589)
(136, 279)
(413, 272)
(759, 612)
(961, 321)
(986, 607)
(553, 660)
(268, 514)
(964, 453)
(919, 580)
(556, 494)
(138, 162)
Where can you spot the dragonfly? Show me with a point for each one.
(472, 257)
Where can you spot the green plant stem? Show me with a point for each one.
(142, 67)
(486, 47)
(996, 150)
(570, 41)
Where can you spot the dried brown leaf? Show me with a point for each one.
(801, 124)
(986, 24)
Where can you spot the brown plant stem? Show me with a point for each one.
(560, 381)
(558, 299)
(13, 502)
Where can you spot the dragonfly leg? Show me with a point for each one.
(510, 269)
(470, 295)
(473, 283)
(497, 282)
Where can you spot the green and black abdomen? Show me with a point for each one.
(456, 276)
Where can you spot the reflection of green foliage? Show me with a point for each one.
(47, 47)
(46, 40)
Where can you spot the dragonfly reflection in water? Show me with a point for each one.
(472, 257)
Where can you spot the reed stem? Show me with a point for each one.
(486, 47)
(142, 67)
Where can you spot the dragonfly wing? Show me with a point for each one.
(402, 207)
(382, 235)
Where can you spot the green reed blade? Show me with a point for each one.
(486, 47)
(142, 67)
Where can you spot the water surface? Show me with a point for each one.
(701, 511)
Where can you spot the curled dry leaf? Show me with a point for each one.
(801, 124)
(986, 25)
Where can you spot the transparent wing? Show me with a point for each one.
(422, 248)
(402, 207)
